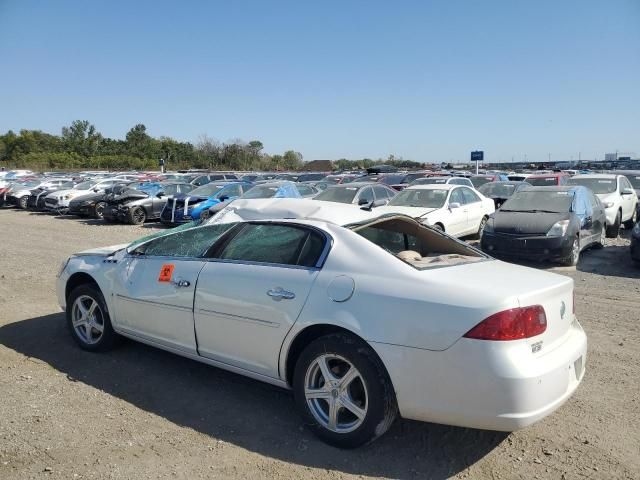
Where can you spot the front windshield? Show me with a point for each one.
(84, 186)
(338, 194)
(597, 185)
(420, 197)
(261, 191)
(392, 179)
(552, 201)
(478, 181)
(494, 189)
(208, 190)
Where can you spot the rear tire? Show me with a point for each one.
(99, 210)
(438, 227)
(356, 404)
(614, 230)
(88, 319)
(22, 202)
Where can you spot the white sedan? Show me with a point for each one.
(364, 316)
(455, 209)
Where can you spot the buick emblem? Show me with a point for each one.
(563, 309)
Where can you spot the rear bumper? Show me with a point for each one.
(486, 385)
(526, 247)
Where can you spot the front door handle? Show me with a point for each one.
(279, 293)
(180, 283)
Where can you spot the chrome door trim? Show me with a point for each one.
(151, 302)
(257, 321)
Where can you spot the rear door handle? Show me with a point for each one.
(279, 293)
(180, 283)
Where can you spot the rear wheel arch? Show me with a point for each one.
(308, 335)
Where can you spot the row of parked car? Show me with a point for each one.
(543, 216)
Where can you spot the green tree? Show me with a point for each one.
(81, 137)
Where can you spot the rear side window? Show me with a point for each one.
(457, 197)
(469, 196)
(381, 193)
(279, 244)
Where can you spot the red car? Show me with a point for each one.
(548, 179)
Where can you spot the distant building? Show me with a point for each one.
(319, 166)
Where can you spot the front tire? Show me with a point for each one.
(343, 392)
(483, 222)
(613, 230)
(574, 257)
(628, 225)
(137, 216)
(88, 319)
(22, 203)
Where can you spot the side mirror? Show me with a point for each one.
(454, 205)
(223, 198)
(363, 201)
(379, 203)
(160, 194)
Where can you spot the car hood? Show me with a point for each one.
(73, 192)
(414, 212)
(102, 251)
(125, 197)
(89, 197)
(607, 197)
(522, 223)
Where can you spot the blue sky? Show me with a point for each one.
(425, 80)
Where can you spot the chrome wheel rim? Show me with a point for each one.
(87, 319)
(336, 393)
(100, 210)
(576, 249)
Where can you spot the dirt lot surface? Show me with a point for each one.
(138, 412)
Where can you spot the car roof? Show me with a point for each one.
(435, 186)
(292, 208)
(552, 174)
(556, 188)
(356, 184)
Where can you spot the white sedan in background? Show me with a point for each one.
(363, 316)
(455, 209)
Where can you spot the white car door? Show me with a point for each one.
(250, 296)
(456, 218)
(629, 198)
(153, 293)
(475, 210)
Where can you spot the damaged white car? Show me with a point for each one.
(365, 317)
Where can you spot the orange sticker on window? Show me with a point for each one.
(165, 272)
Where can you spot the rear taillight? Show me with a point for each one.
(513, 324)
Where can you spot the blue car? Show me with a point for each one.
(183, 208)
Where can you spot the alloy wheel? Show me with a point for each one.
(336, 393)
(87, 319)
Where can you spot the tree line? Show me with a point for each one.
(81, 146)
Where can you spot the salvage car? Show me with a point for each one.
(302, 306)
(546, 223)
(19, 192)
(138, 206)
(184, 208)
(617, 195)
(357, 193)
(58, 201)
(500, 192)
(455, 209)
(92, 204)
(478, 180)
(548, 179)
(37, 197)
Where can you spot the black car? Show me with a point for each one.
(546, 223)
(92, 205)
(500, 192)
(635, 243)
(137, 206)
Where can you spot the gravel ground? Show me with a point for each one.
(138, 412)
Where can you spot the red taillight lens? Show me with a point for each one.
(511, 324)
